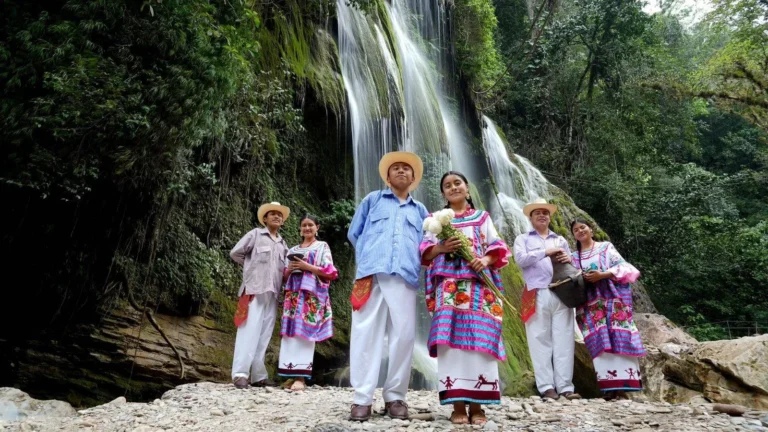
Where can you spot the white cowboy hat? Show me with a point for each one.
(411, 159)
(539, 203)
(273, 206)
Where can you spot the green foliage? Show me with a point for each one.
(678, 181)
(476, 53)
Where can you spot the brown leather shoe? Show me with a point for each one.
(264, 383)
(396, 409)
(570, 395)
(550, 394)
(241, 382)
(360, 413)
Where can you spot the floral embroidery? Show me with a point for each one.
(450, 287)
(597, 312)
(431, 305)
(496, 310)
(462, 298)
(622, 316)
(488, 295)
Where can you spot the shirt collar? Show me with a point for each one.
(266, 231)
(534, 232)
(388, 191)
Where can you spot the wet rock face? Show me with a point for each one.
(120, 355)
(213, 407)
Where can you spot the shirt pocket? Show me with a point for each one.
(379, 221)
(262, 254)
(414, 226)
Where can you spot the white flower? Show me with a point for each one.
(433, 225)
(445, 216)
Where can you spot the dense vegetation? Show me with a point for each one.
(139, 136)
(657, 130)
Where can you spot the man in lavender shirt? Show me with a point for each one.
(550, 328)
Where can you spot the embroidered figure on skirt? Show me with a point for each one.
(307, 316)
(466, 329)
(606, 320)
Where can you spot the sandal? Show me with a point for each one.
(298, 386)
(458, 418)
(622, 395)
(478, 418)
(610, 396)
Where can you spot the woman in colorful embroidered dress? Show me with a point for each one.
(465, 335)
(606, 320)
(307, 306)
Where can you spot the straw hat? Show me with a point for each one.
(406, 157)
(273, 206)
(539, 203)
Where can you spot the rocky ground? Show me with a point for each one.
(221, 407)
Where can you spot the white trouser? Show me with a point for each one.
(550, 341)
(390, 310)
(253, 338)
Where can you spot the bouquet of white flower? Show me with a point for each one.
(439, 224)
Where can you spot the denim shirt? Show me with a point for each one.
(386, 235)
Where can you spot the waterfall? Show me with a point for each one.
(517, 181)
(397, 70)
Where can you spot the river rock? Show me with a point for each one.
(17, 405)
(213, 407)
(732, 410)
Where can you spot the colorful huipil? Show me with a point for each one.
(465, 335)
(307, 316)
(606, 320)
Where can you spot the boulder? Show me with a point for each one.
(726, 372)
(656, 330)
(17, 405)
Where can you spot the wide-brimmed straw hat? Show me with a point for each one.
(540, 203)
(273, 206)
(411, 159)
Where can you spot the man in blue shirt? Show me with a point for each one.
(386, 232)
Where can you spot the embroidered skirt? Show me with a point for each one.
(467, 376)
(617, 372)
(296, 354)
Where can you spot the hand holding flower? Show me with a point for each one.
(449, 246)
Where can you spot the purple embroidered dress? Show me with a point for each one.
(465, 334)
(606, 320)
(307, 316)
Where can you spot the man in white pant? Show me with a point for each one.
(386, 232)
(548, 322)
(262, 254)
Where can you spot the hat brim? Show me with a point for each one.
(531, 207)
(266, 208)
(411, 159)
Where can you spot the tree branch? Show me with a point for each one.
(148, 313)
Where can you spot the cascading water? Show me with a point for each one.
(395, 60)
(517, 180)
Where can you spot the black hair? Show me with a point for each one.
(464, 178)
(311, 217)
(579, 220)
